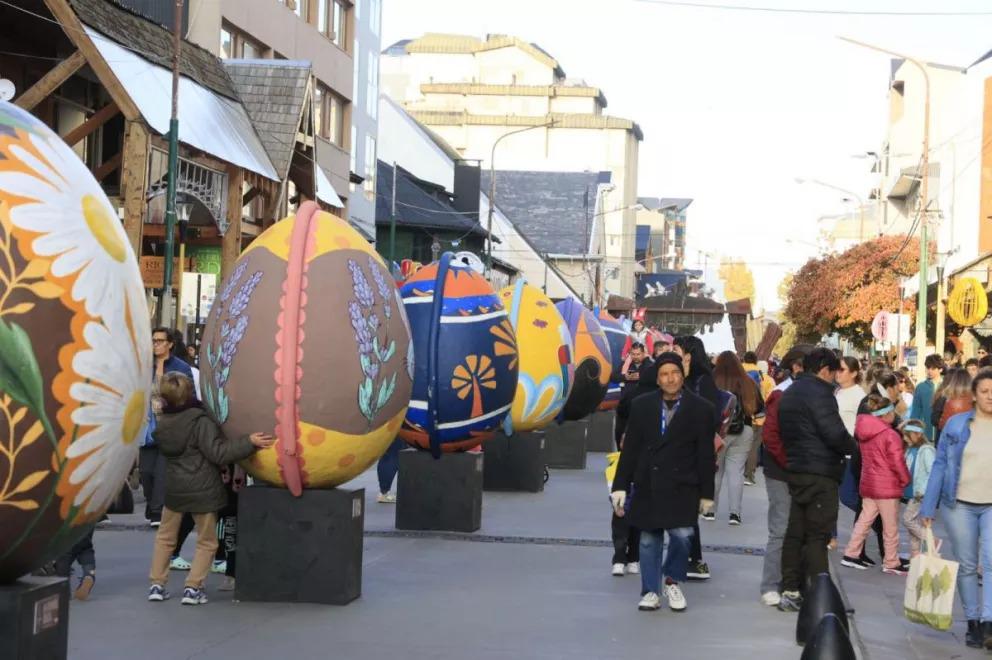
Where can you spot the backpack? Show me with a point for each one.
(737, 419)
(727, 408)
(755, 375)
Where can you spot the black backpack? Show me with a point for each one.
(737, 420)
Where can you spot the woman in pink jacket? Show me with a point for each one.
(884, 476)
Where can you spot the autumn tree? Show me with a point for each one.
(738, 280)
(843, 292)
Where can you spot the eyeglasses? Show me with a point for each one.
(160, 341)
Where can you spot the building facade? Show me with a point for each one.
(321, 32)
(665, 218)
(365, 113)
(475, 92)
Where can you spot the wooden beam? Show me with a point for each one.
(51, 81)
(250, 195)
(154, 230)
(134, 175)
(76, 32)
(109, 166)
(231, 243)
(99, 118)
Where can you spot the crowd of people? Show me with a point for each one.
(827, 430)
(691, 429)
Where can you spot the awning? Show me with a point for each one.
(325, 191)
(208, 121)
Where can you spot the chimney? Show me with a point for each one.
(467, 187)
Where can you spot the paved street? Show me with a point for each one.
(535, 584)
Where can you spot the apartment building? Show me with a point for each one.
(475, 92)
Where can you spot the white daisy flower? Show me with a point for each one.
(114, 400)
(76, 225)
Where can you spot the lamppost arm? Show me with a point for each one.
(492, 188)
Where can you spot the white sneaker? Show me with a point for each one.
(649, 602)
(771, 598)
(617, 570)
(676, 599)
(634, 567)
(386, 498)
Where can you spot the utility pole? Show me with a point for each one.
(170, 191)
(921, 311)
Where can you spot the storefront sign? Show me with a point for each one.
(205, 258)
(153, 275)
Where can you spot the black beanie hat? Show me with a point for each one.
(670, 357)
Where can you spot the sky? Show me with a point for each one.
(734, 105)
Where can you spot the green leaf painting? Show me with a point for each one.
(20, 376)
(385, 392)
(925, 583)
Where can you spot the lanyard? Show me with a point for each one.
(664, 418)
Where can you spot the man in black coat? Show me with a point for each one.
(667, 466)
(815, 442)
(630, 379)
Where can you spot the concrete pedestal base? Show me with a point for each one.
(304, 549)
(566, 445)
(514, 464)
(443, 494)
(34, 619)
(600, 437)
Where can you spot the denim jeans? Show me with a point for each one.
(676, 561)
(388, 465)
(779, 502)
(969, 527)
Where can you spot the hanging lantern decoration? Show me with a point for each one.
(968, 303)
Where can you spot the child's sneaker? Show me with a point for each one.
(193, 596)
(157, 593)
(219, 566)
(85, 586)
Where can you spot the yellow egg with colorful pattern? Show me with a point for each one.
(545, 349)
(75, 347)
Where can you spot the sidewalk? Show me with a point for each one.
(532, 583)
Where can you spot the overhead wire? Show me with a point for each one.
(803, 10)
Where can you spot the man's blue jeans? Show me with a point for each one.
(970, 527)
(676, 561)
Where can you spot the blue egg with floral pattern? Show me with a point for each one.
(466, 363)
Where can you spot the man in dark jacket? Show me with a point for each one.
(815, 442)
(630, 378)
(667, 466)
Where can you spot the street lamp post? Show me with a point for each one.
(492, 189)
(856, 197)
(170, 190)
(921, 312)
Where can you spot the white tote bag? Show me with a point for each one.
(929, 597)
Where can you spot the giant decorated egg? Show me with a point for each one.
(616, 337)
(592, 359)
(307, 339)
(465, 374)
(545, 348)
(75, 347)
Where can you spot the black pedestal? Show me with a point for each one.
(566, 445)
(34, 619)
(515, 463)
(304, 549)
(600, 436)
(439, 494)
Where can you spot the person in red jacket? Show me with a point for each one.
(777, 481)
(884, 477)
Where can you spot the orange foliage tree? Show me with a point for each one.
(843, 292)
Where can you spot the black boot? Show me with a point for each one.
(973, 639)
(987, 634)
